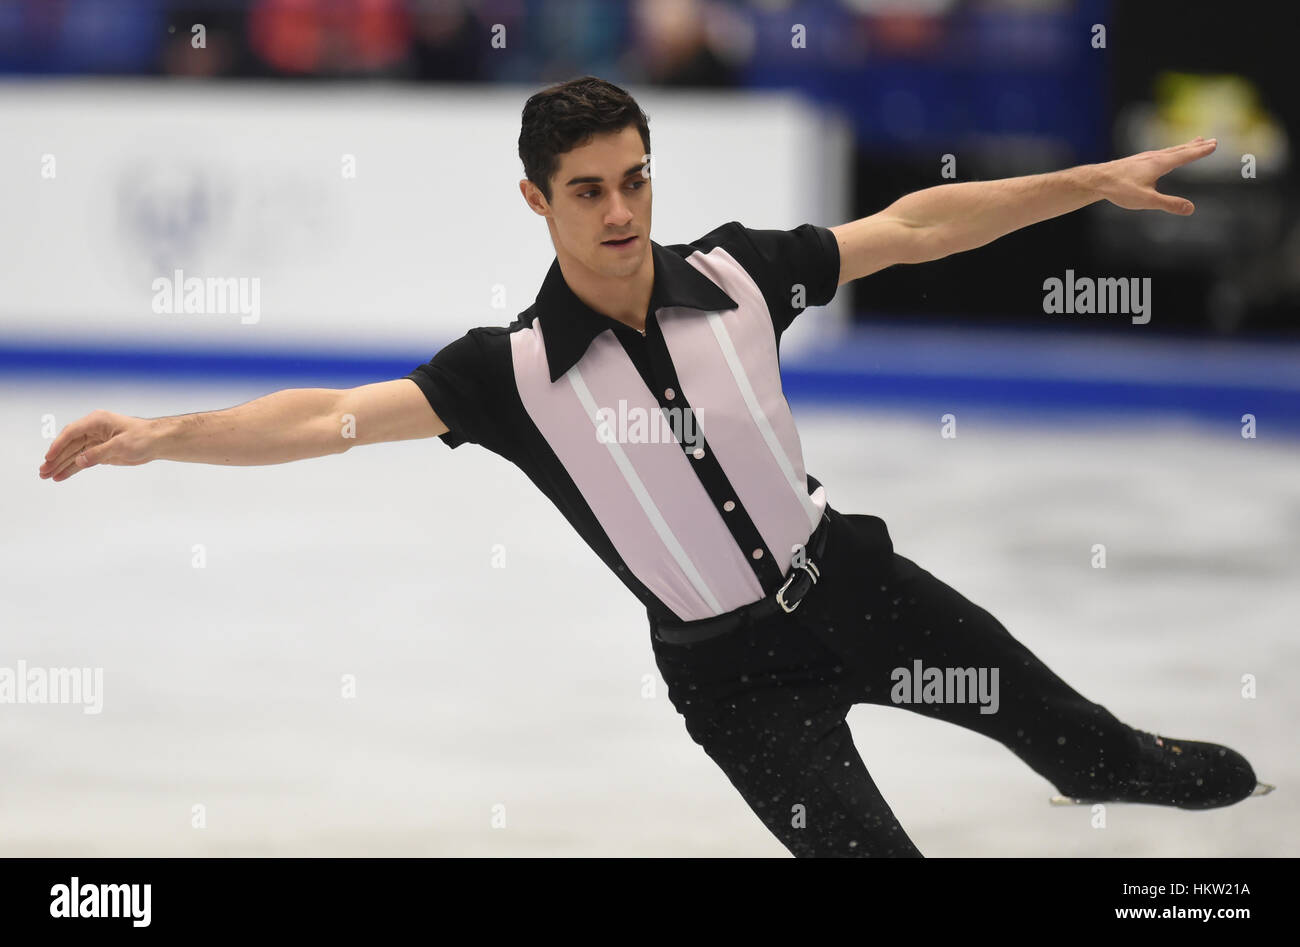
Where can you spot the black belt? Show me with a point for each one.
(803, 576)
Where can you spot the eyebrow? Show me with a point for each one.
(635, 169)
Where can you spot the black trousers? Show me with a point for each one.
(768, 702)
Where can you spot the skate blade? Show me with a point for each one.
(1068, 801)
(1261, 789)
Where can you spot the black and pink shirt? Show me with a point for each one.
(673, 454)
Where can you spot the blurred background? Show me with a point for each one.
(349, 167)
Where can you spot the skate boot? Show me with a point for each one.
(1172, 772)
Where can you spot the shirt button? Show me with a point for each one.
(698, 453)
(669, 394)
(729, 505)
(757, 554)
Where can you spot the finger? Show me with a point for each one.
(68, 468)
(67, 434)
(98, 454)
(78, 428)
(90, 457)
(1174, 205)
(69, 450)
(1185, 154)
(55, 459)
(92, 423)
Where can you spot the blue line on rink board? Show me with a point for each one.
(877, 367)
(948, 393)
(325, 368)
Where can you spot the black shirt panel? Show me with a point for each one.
(463, 384)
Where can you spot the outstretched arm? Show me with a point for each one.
(939, 221)
(288, 425)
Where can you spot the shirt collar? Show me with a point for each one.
(569, 325)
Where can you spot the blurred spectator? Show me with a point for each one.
(684, 42)
(204, 40)
(330, 37)
(81, 36)
(450, 42)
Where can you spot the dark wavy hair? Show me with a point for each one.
(565, 116)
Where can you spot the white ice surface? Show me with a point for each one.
(526, 686)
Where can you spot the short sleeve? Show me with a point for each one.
(796, 266)
(458, 386)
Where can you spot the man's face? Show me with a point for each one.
(599, 213)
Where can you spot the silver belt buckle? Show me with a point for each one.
(813, 572)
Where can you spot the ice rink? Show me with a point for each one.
(502, 675)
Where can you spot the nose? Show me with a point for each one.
(618, 214)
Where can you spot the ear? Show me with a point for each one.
(534, 198)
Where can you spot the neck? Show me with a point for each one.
(624, 299)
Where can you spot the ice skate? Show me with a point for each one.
(1182, 773)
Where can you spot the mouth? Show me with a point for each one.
(619, 244)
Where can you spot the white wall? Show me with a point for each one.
(246, 181)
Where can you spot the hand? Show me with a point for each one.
(1131, 182)
(101, 437)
